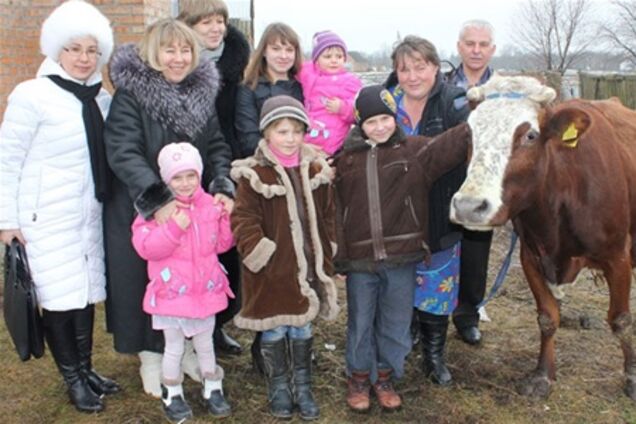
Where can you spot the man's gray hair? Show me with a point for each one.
(477, 24)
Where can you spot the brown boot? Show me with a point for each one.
(384, 391)
(358, 388)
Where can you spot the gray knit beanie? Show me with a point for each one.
(282, 106)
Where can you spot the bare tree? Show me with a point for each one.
(556, 33)
(621, 31)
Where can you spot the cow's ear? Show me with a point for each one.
(543, 96)
(476, 95)
(567, 126)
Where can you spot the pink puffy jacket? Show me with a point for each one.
(186, 278)
(328, 130)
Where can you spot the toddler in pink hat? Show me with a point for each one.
(188, 286)
(329, 90)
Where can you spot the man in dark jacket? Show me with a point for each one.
(476, 47)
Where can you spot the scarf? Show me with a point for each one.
(94, 127)
(287, 161)
(213, 55)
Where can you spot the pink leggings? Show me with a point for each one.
(173, 353)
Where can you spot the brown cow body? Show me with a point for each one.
(572, 200)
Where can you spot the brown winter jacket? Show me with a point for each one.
(269, 238)
(382, 195)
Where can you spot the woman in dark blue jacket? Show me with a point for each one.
(428, 106)
(269, 73)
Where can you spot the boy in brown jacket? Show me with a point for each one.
(382, 184)
(283, 221)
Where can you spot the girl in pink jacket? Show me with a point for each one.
(329, 91)
(187, 284)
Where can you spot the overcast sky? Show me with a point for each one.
(371, 25)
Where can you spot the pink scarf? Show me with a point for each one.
(287, 161)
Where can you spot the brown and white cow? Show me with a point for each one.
(566, 177)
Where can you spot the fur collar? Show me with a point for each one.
(243, 168)
(235, 56)
(183, 108)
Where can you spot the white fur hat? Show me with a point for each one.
(72, 19)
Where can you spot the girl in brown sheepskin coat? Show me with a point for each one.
(284, 225)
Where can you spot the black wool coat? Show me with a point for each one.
(249, 103)
(147, 113)
(231, 65)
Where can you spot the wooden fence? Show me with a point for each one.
(604, 86)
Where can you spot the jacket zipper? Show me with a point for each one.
(409, 202)
(34, 217)
(375, 212)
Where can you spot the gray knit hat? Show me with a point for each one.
(282, 106)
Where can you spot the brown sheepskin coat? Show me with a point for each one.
(269, 238)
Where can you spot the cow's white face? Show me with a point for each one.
(507, 103)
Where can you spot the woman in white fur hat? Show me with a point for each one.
(54, 179)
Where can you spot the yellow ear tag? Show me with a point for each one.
(570, 136)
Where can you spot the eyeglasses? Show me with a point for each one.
(77, 51)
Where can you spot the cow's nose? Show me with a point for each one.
(470, 210)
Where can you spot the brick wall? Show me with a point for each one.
(20, 22)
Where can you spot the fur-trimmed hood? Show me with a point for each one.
(183, 108)
(263, 156)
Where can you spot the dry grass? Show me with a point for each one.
(589, 389)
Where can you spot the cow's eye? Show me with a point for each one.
(532, 135)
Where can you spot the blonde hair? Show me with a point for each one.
(163, 33)
(257, 66)
(191, 12)
(298, 125)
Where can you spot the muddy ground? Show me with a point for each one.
(589, 387)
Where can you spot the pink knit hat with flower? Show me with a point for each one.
(178, 157)
(325, 39)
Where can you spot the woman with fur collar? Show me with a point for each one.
(227, 47)
(163, 95)
(54, 179)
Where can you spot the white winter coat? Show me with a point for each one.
(47, 190)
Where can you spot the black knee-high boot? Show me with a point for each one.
(83, 322)
(257, 357)
(434, 328)
(276, 366)
(301, 360)
(59, 332)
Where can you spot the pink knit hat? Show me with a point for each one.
(325, 39)
(177, 157)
